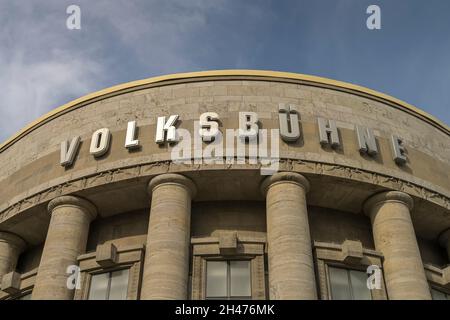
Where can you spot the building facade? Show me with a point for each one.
(160, 189)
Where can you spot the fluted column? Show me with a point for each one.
(66, 240)
(11, 246)
(291, 266)
(444, 240)
(395, 238)
(166, 264)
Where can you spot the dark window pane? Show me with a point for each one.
(99, 287)
(25, 297)
(240, 278)
(340, 288)
(438, 295)
(216, 279)
(358, 281)
(119, 285)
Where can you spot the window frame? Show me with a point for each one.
(347, 270)
(128, 257)
(27, 281)
(23, 294)
(229, 296)
(440, 289)
(109, 271)
(438, 278)
(18, 295)
(251, 248)
(331, 254)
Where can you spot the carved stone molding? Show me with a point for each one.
(147, 170)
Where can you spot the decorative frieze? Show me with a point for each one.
(145, 170)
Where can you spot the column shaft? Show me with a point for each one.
(166, 264)
(394, 237)
(66, 240)
(10, 248)
(291, 266)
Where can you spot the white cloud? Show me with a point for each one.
(44, 65)
(32, 88)
(161, 34)
(39, 67)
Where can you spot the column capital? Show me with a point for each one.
(444, 238)
(73, 201)
(387, 196)
(172, 178)
(290, 177)
(13, 240)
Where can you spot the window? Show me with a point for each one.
(215, 267)
(109, 285)
(349, 281)
(346, 284)
(439, 295)
(26, 296)
(228, 279)
(111, 273)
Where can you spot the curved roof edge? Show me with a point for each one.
(308, 79)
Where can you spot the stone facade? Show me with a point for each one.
(138, 209)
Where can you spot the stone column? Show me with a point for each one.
(291, 266)
(66, 240)
(11, 246)
(395, 238)
(444, 240)
(166, 266)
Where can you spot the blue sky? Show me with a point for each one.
(44, 65)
